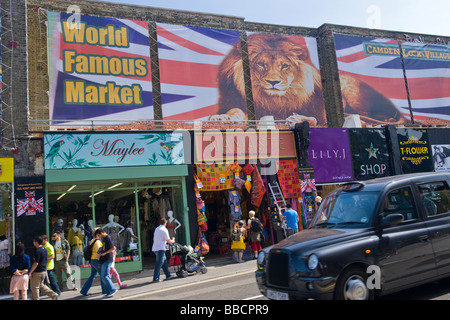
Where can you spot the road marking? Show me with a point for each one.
(255, 297)
(185, 285)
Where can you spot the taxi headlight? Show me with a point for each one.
(261, 257)
(313, 262)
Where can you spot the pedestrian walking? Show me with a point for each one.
(50, 264)
(291, 218)
(95, 244)
(20, 266)
(115, 274)
(160, 239)
(106, 259)
(237, 241)
(38, 272)
(254, 227)
(62, 253)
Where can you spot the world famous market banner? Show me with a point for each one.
(189, 62)
(373, 84)
(99, 68)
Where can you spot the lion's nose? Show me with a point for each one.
(273, 82)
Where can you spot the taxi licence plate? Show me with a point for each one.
(276, 295)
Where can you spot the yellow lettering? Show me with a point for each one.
(72, 34)
(74, 92)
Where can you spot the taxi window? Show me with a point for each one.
(400, 201)
(435, 197)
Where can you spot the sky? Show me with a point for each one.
(409, 16)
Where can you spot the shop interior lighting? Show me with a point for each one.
(68, 190)
(115, 186)
(111, 187)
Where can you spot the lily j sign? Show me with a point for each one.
(89, 150)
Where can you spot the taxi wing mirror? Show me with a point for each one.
(392, 219)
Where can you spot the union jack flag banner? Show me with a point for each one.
(30, 206)
(189, 59)
(377, 62)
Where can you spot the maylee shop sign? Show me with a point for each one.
(112, 150)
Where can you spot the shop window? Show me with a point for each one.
(125, 210)
(70, 212)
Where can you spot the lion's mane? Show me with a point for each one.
(275, 61)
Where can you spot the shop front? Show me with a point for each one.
(123, 183)
(6, 220)
(233, 172)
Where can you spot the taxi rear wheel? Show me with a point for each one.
(352, 285)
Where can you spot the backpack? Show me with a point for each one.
(256, 226)
(87, 252)
(237, 234)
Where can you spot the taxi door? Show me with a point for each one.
(405, 250)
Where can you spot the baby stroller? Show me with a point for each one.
(185, 261)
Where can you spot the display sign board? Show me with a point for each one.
(91, 150)
(189, 59)
(415, 150)
(329, 153)
(6, 169)
(371, 72)
(99, 68)
(234, 145)
(370, 153)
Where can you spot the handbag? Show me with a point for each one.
(174, 260)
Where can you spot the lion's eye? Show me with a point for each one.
(285, 66)
(260, 65)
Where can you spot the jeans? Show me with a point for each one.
(95, 270)
(105, 278)
(161, 262)
(53, 283)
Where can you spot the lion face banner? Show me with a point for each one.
(99, 69)
(373, 84)
(189, 62)
(285, 76)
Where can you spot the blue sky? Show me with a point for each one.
(410, 16)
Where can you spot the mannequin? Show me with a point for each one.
(113, 229)
(72, 231)
(172, 224)
(88, 232)
(59, 227)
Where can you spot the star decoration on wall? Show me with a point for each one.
(372, 151)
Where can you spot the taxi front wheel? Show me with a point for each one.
(352, 285)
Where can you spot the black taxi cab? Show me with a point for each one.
(367, 239)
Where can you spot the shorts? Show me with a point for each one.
(18, 283)
(238, 250)
(256, 246)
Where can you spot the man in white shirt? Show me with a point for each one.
(160, 238)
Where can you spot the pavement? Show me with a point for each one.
(140, 282)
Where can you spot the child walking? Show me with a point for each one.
(115, 274)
